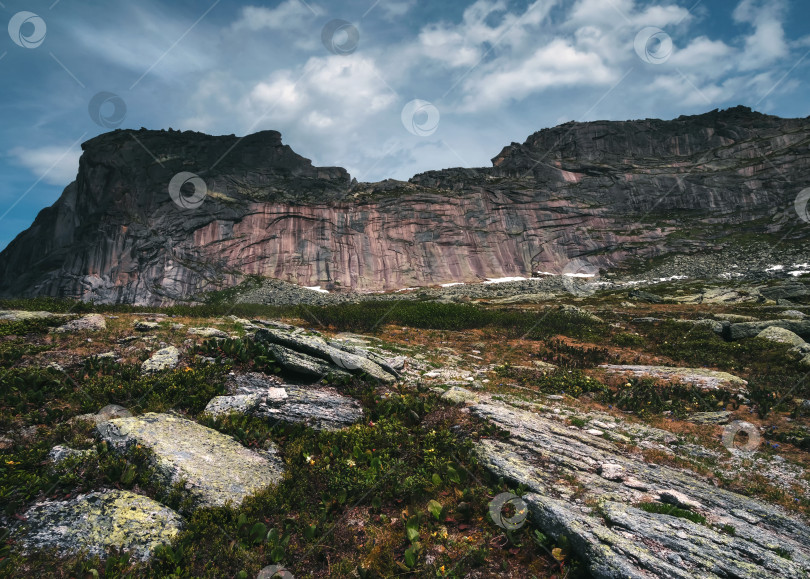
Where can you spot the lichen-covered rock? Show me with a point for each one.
(581, 313)
(719, 417)
(144, 326)
(215, 467)
(618, 540)
(60, 453)
(207, 332)
(164, 359)
(751, 329)
(109, 412)
(713, 325)
(701, 377)
(98, 521)
(319, 408)
(458, 395)
(88, 323)
(781, 335)
(22, 315)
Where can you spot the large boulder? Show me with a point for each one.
(304, 364)
(216, 469)
(751, 329)
(98, 521)
(318, 348)
(319, 408)
(781, 335)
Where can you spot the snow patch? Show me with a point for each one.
(452, 284)
(504, 279)
(317, 288)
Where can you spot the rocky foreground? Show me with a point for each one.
(623, 462)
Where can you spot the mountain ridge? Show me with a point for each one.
(579, 196)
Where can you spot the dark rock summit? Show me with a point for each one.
(580, 195)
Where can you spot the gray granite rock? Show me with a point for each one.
(216, 469)
(164, 359)
(96, 522)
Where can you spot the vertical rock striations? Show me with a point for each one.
(601, 192)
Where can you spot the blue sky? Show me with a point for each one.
(483, 73)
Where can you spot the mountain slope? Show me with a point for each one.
(572, 198)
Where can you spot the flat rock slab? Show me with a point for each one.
(215, 467)
(701, 377)
(88, 323)
(304, 364)
(316, 347)
(97, 521)
(207, 332)
(164, 359)
(619, 540)
(22, 315)
(319, 408)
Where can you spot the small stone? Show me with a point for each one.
(595, 432)
(678, 499)
(60, 453)
(634, 483)
(611, 471)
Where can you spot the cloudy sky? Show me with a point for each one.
(385, 88)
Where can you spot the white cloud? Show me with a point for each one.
(54, 165)
(332, 90)
(555, 66)
(291, 14)
(393, 9)
(767, 44)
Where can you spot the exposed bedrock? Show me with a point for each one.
(601, 192)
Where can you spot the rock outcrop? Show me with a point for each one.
(598, 509)
(98, 521)
(576, 197)
(215, 468)
(701, 377)
(319, 408)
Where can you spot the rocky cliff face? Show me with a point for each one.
(572, 198)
